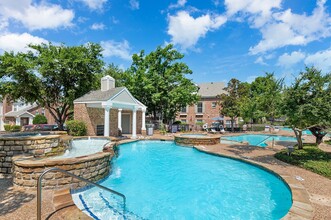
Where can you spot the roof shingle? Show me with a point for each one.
(211, 89)
(98, 95)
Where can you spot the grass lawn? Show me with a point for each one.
(328, 142)
(310, 158)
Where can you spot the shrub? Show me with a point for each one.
(12, 128)
(76, 128)
(39, 119)
(310, 157)
(7, 127)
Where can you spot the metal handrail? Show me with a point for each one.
(264, 140)
(39, 187)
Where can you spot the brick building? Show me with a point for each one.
(110, 110)
(207, 110)
(21, 113)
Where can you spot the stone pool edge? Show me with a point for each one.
(301, 206)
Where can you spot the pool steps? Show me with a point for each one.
(109, 209)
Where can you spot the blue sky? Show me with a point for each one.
(221, 39)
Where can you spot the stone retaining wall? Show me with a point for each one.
(192, 141)
(37, 146)
(92, 167)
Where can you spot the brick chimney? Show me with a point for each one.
(107, 83)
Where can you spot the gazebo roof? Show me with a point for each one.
(98, 95)
(118, 97)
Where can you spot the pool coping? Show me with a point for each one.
(301, 206)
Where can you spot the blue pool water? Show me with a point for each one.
(258, 139)
(304, 132)
(164, 181)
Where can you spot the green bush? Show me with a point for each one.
(12, 128)
(310, 157)
(76, 128)
(7, 127)
(39, 119)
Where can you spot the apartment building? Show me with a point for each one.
(207, 110)
(21, 113)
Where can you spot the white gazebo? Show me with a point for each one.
(117, 105)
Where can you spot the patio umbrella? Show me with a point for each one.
(218, 119)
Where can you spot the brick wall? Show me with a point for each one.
(35, 146)
(95, 116)
(208, 112)
(93, 167)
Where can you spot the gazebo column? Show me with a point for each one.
(107, 120)
(18, 121)
(119, 117)
(134, 122)
(143, 124)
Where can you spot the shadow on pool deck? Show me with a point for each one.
(10, 199)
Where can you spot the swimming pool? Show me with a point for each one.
(304, 132)
(258, 139)
(163, 181)
(84, 146)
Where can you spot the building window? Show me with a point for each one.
(199, 120)
(183, 121)
(213, 104)
(15, 108)
(200, 107)
(183, 110)
(43, 111)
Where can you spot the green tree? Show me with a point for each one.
(230, 101)
(159, 81)
(120, 76)
(52, 76)
(39, 119)
(266, 93)
(306, 104)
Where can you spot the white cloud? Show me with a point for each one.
(35, 16)
(180, 3)
(186, 30)
(94, 4)
(260, 60)
(288, 60)
(116, 49)
(321, 60)
(98, 26)
(286, 28)
(18, 42)
(259, 11)
(134, 4)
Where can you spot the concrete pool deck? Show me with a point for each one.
(21, 204)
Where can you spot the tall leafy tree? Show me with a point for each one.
(52, 76)
(158, 80)
(306, 104)
(266, 93)
(230, 101)
(114, 71)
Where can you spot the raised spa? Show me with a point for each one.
(196, 139)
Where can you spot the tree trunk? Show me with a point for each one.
(319, 134)
(298, 134)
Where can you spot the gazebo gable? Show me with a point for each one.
(123, 96)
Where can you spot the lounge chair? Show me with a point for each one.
(213, 131)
